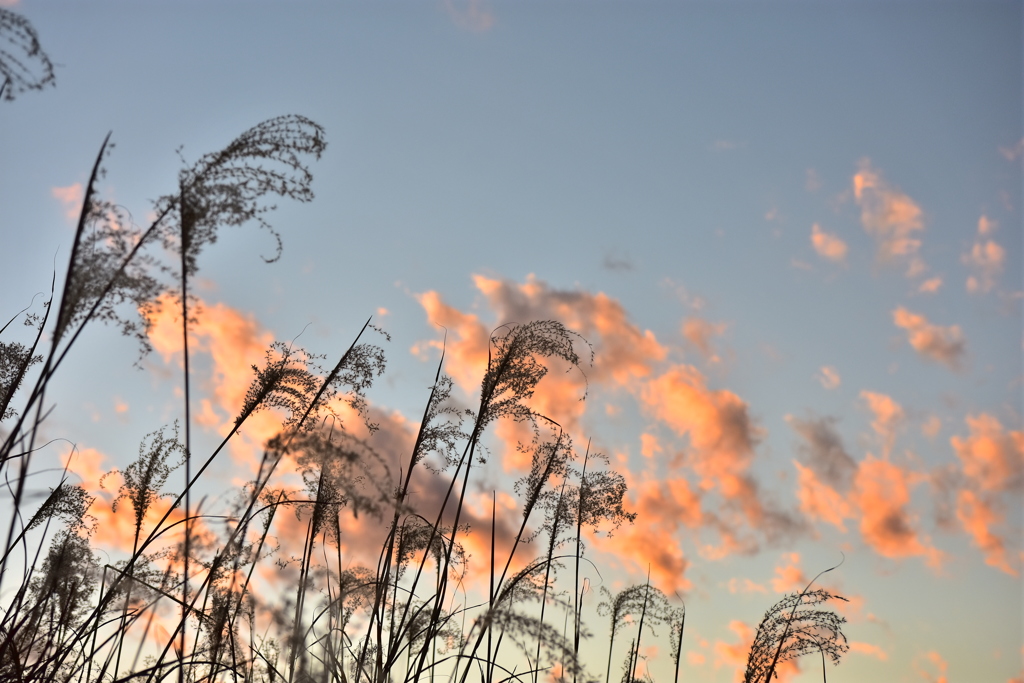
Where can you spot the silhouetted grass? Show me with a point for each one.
(187, 606)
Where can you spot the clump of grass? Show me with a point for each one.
(796, 625)
(195, 606)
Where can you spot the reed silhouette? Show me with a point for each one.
(190, 601)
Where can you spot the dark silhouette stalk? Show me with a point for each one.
(187, 219)
(577, 597)
(640, 630)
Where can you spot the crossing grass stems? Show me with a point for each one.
(184, 605)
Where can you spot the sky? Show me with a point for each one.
(790, 231)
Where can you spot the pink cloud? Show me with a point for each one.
(829, 377)
(992, 457)
(881, 495)
(665, 507)
(700, 332)
(945, 345)
(875, 492)
(721, 433)
(887, 417)
(466, 345)
(623, 354)
(827, 245)
(71, 197)
(232, 342)
(115, 530)
(721, 437)
(978, 519)
(833, 488)
(734, 655)
(992, 465)
(789, 578)
(930, 286)
(869, 650)
(931, 667)
(985, 258)
(891, 217)
(819, 501)
(745, 586)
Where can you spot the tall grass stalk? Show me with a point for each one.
(204, 606)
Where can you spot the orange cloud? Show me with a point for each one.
(789, 578)
(978, 518)
(944, 345)
(829, 377)
(672, 501)
(721, 436)
(992, 457)
(888, 417)
(936, 663)
(930, 286)
(700, 332)
(71, 197)
(466, 344)
(476, 514)
(664, 507)
(891, 217)
(992, 463)
(115, 530)
(654, 548)
(556, 397)
(819, 501)
(868, 650)
(735, 654)
(623, 353)
(721, 432)
(986, 258)
(833, 488)
(827, 245)
(232, 342)
(745, 586)
(881, 495)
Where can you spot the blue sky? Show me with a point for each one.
(674, 157)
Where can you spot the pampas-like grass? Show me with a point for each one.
(186, 606)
